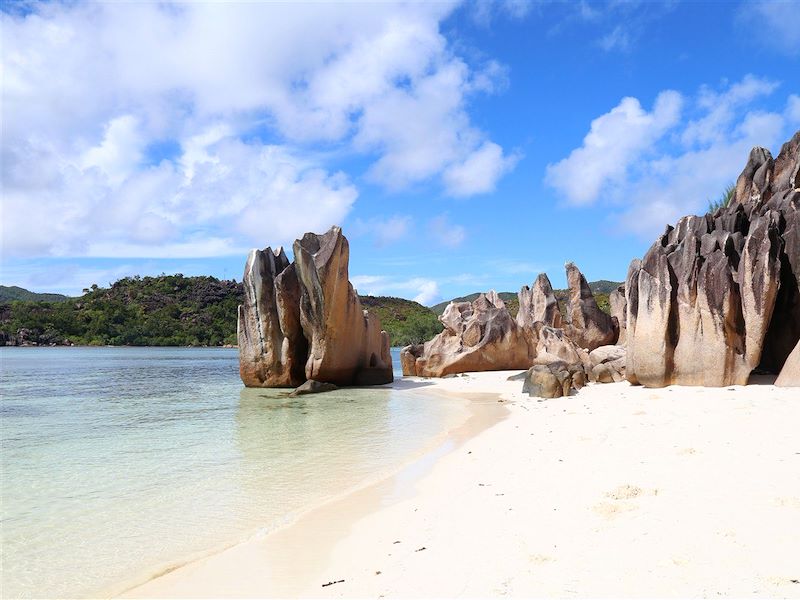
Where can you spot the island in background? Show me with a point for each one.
(175, 310)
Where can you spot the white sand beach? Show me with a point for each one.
(618, 491)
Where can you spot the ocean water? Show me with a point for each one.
(120, 462)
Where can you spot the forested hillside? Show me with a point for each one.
(169, 310)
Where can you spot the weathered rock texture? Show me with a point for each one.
(619, 311)
(585, 324)
(538, 304)
(717, 296)
(554, 380)
(482, 336)
(303, 320)
(790, 373)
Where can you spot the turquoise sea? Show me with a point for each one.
(120, 462)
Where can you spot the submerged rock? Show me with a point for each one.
(718, 295)
(313, 387)
(303, 320)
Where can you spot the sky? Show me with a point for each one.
(460, 146)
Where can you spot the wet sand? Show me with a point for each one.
(618, 491)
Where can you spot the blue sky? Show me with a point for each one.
(461, 147)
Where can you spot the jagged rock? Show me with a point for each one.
(313, 387)
(304, 320)
(719, 295)
(482, 336)
(790, 373)
(477, 336)
(538, 304)
(585, 324)
(619, 311)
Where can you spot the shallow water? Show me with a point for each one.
(119, 462)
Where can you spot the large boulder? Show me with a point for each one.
(718, 295)
(554, 380)
(477, 336)
(303, 320)
(585, 324)
(482, 336)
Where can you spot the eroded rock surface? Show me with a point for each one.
(478, 336)
(718, 295)
(303, 320)
(585, 324)
(482, 336)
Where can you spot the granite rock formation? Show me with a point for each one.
(718, 295)
(619, 311)
(554, 380)
(607, 364)
(482, 336)
(585, 324)
(303, 320)
(790, 372)
(538, 304)
(478, 336)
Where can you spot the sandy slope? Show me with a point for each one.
(618, 491)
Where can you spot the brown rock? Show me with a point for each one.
(477, 336)
(538, 304)
(271, 345)
(790, 373)
(718, 295)
(587, 325)
(619, 311)
(304, 320)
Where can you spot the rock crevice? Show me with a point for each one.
(716, 296)
(303, 320)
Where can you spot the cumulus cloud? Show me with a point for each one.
(651, 169)
(159, 125)
(479, 171)
(614, 141)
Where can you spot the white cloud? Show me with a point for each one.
(446, 233)
(479, 172)
(658, 177)
(420, 289)
(241, 195)
(428, 292)
(94, 93)
(615, 140)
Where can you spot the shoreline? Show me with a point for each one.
(616, 491)
(412, 467)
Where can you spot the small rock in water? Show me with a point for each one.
(313, 387)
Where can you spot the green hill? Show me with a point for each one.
(169, 310)
(12, 292)
(406, 321)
